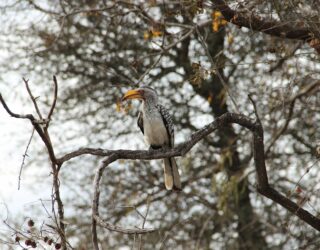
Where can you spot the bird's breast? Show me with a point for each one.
(155, 132)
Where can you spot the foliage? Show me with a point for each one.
(201, 67)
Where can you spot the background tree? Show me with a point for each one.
(203, 58)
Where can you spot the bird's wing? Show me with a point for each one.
(140, 122)
(167, 120)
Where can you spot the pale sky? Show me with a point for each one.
(16, 204)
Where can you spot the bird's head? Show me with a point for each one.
(142, 93)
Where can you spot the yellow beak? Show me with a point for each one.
(132, 94)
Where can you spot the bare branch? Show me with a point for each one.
(24, 157)
(33, 99)
(254, 107)
(144, 217)
(30, 117)
(214, 65)
(284, 128)
(119, 229)
(54, 100)
(263, 186)
(270, 27)
(44, 134)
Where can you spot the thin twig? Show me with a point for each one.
(15, 115)
(213, 65)
(33, 99)
(304, 174)
(254, 107)
(55, 95)
(143, 223)
(185, 36)
(149, 69)
(24, 157)
(283, 129)
(203, 228)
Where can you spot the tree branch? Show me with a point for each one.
(24, 157)
(270, 27)
(41, 126)
(55, 95)
(5, 106)
(33, 99)
(263, 186)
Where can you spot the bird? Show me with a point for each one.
(157, 127)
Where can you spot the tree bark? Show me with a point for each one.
(249, 229)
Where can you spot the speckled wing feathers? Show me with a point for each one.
(167, 120)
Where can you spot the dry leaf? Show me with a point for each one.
(218, 21)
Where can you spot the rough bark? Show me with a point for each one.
(249, 228)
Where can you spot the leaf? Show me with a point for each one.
(217, 21)
(118, 105)
(128, 107)
(209, 99)
(146, 35)
(153, 33)
(156, 33)
(215, 26)
(230, 39)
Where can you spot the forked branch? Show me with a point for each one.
(263, 186)
(41, 126)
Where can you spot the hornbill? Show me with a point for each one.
(156, 125)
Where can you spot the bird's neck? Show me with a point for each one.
(149, 105)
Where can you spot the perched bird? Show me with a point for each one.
(156, 124)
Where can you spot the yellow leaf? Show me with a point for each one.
(118, 106)
(146, 35)
(230, 39)
(223, 21)
(128, 107)
(218, 20)
(156, 33)
(215, 26)
(216, 14)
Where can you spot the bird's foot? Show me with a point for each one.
(154, 147)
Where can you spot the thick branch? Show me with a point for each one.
(179, 150)
(270, 27)
(228, 118)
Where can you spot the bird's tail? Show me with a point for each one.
(171, 174)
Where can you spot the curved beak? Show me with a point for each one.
(132, 94)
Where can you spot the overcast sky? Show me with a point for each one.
(14, 134)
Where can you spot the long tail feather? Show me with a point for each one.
(171, 174)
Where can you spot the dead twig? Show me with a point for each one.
(33, 99)
(53, 105)
(24, 157)
(55, 165)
